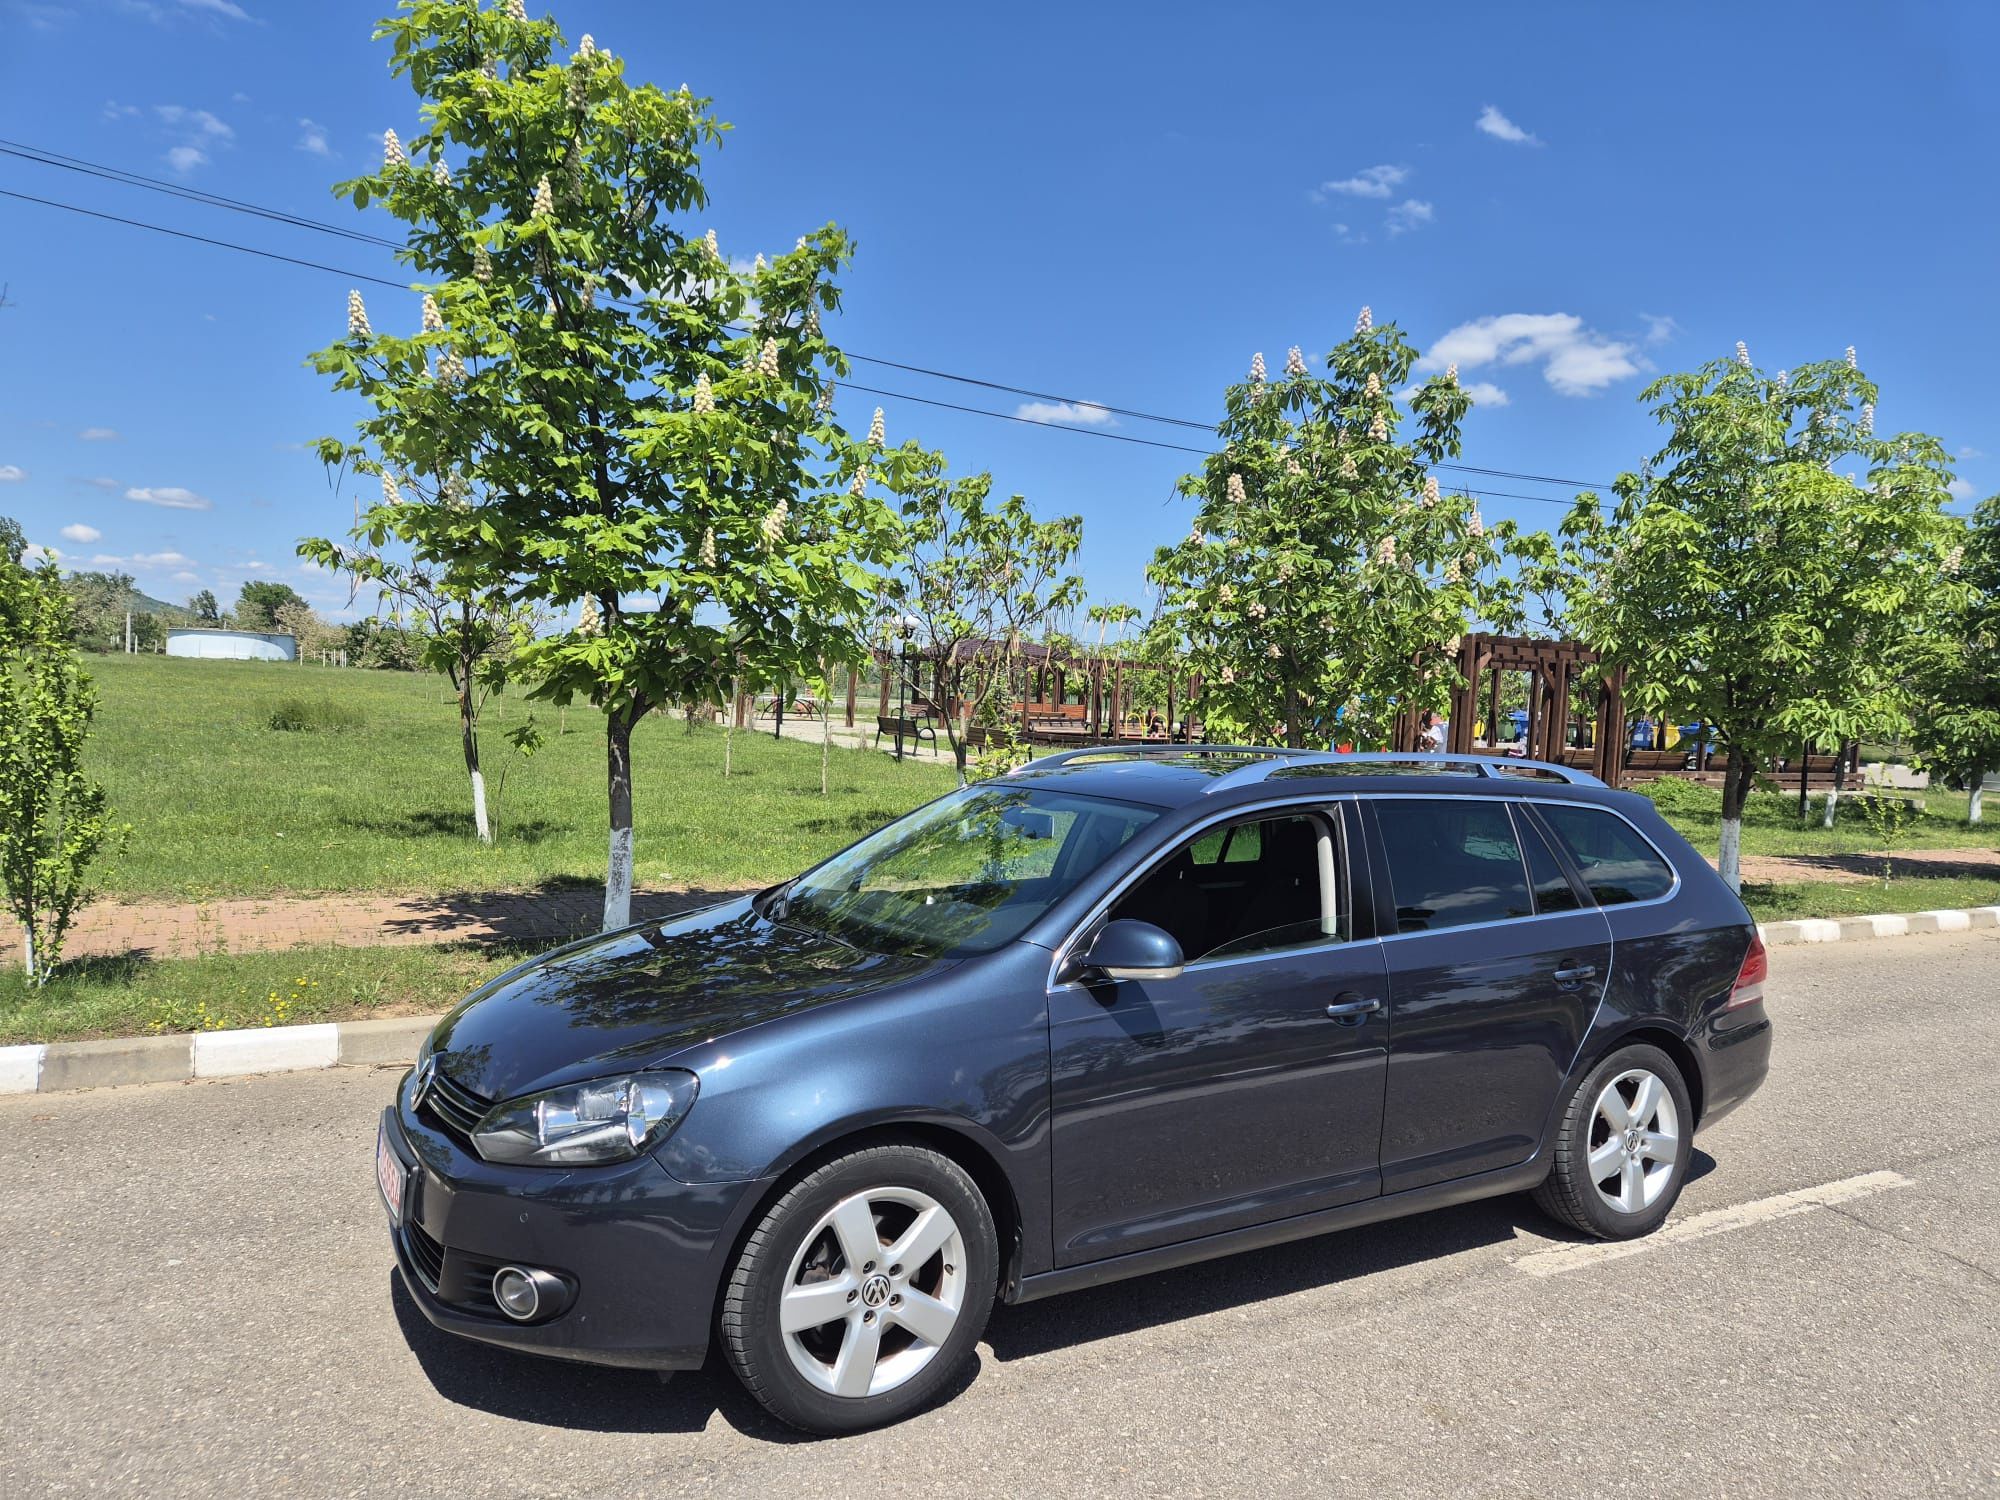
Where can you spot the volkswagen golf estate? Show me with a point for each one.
(1114, 1012)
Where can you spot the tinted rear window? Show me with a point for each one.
(1452, 862)
(1616, 863)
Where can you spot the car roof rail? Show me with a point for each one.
(1497, 766)
(1156, 751)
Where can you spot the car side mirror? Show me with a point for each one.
(1130, 949)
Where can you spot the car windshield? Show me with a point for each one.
(964, 874)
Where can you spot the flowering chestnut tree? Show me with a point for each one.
(977, 580)
(1957, 666)
(594, 410)
(1745, 577)
(1327, 571)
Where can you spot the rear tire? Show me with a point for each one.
(1622, 1148)
(861, 1294)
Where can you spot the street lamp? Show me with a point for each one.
(904, 626)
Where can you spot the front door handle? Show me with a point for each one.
(1351, 1007)
(1575, 975)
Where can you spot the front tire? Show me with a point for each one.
(1623, 1147)
(862, 1291)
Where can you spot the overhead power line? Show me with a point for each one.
(43, 157)
(202, 239)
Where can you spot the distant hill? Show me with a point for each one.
(146, 604)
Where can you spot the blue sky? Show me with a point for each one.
(1120, 203)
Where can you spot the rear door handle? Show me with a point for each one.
(1571, 977)
(1351, 1007)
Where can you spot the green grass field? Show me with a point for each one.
(221, 804)
(375, 800)
(130, 996)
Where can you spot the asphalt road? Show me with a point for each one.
(198, 1300)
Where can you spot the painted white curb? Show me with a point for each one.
(269, 1049)
(21, 1068)
(1852, 929)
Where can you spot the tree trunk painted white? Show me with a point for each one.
(1832, 801)
(618, 868)
(825, 732)
(1974, 810)
(28, 950)
(1735, 789)
(729, 724)
(1729, 859)
(618, 881)
(479, 807)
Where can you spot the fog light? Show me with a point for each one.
(526, 1295)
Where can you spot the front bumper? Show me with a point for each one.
(644, 1252)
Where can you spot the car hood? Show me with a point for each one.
(633, 998)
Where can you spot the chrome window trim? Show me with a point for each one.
(1672, 868)
(1242, 812)
(1323, 802)
(1540, 916)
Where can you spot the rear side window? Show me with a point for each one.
(1617, 864)
(1553, 892)
(1452, 863)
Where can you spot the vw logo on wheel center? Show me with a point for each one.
(875, 1290)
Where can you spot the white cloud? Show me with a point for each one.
(185, 577)
(1968, 451)
(106, 560)
(1962, 489)
(170, 496)
(186, 158)
(1083, 413)
(1659, 327)
(1408, 215)
(227, 8)
(102, 483)
(1575, 360)
(1369, 182)
(12, 473)
(34, 552)
(76, 531)
(162, 560)
(99, 434)
(1501, 128)
(196, 122)
(312, 138)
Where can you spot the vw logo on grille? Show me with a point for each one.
(875, 1290)
(426, 1076)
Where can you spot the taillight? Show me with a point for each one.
(1749, 986)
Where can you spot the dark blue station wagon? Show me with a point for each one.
(1114, 1012)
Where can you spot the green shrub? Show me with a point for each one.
(314, 716)
(1673, 795)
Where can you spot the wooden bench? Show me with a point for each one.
(912, 730)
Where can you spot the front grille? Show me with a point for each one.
(426, 1254)
(453, 1108)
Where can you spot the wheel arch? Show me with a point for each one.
(963, 1147)
(1673, 1043)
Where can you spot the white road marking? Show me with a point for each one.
(1715, 1221)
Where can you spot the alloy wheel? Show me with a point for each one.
(873, 1291)
(1635, 1141)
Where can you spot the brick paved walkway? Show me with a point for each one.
(258, 925)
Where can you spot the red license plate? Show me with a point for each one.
(389, 1175)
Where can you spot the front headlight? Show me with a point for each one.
(586, 1124)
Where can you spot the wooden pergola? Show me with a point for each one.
(1555, 669)
(1040, 682)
